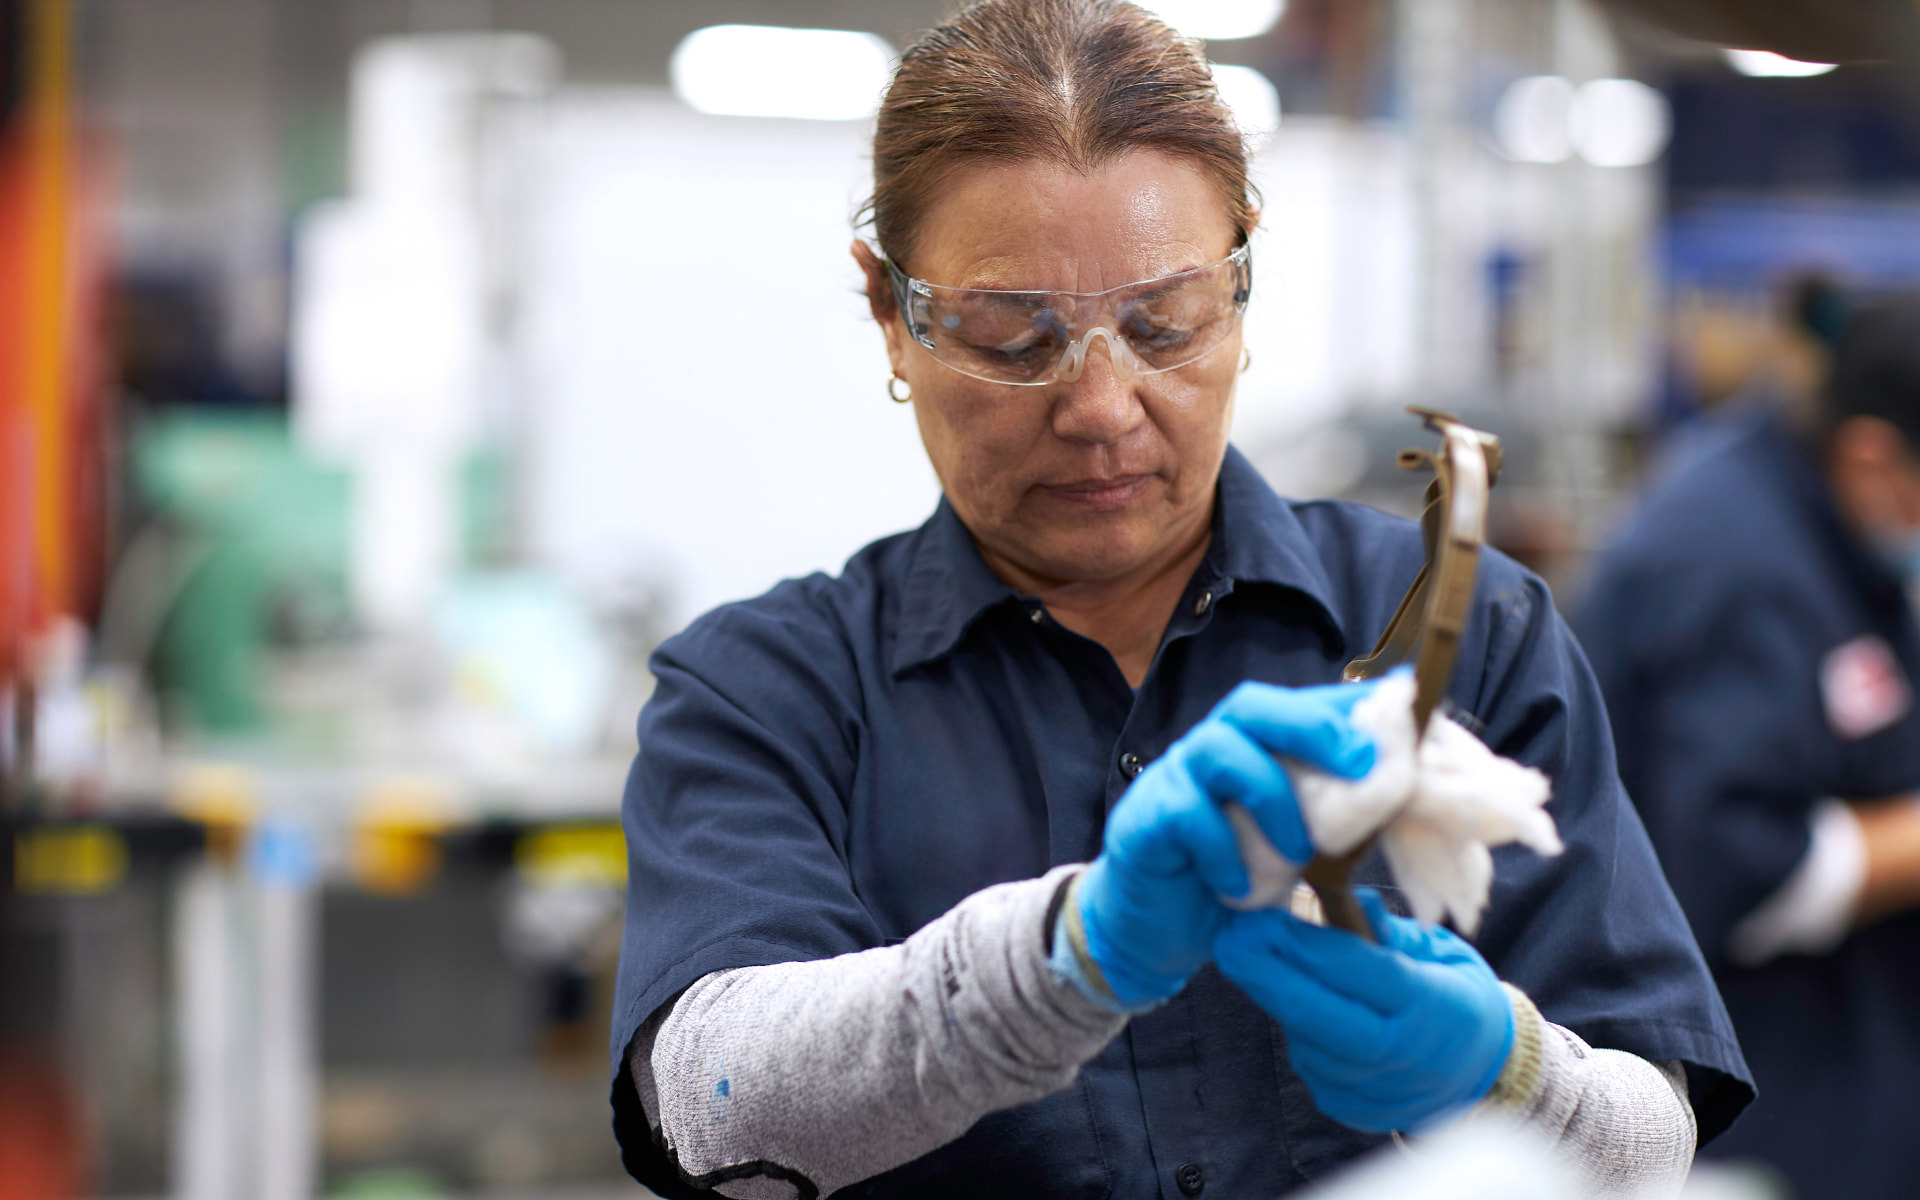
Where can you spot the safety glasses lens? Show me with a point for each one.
(1021, 337)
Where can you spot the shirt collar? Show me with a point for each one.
(947, 587)
(1257, 538)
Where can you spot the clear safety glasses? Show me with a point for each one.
(1034, 338)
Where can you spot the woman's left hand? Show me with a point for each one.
(1386, 1036)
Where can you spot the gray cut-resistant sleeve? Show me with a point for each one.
(800, 1078)
(1623, 1123)
(796, 1079)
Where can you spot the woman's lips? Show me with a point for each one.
(1100, 494)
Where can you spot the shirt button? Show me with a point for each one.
(1201, 605)
(1130, 764)
(1190, 1178)
(1037, 615)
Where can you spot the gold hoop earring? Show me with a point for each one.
(895, 395)
(1246, 359)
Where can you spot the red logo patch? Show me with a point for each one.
(1863, 687)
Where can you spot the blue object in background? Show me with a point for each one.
(521, 642)
(1750, 244)
(284, 854)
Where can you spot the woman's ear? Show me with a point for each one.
(879, 284)
(886, 312)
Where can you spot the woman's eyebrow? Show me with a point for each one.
(993, 283)
(1154, 285)
(1004, 299)
(1153, 289)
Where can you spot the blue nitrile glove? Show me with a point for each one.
(1149, 905)
(1388, 1036)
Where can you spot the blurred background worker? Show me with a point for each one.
(1753, 631)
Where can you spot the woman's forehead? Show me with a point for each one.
(1043, 226)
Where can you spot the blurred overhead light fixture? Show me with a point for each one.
(1219, 20)
(1619, 123)
(768, 71)
(1253, 101)
(1767, 63)
(1533, 121)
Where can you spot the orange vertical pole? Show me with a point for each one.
(49, 308)
(16, 449)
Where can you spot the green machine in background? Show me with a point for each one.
(253, 546)
(255, 538)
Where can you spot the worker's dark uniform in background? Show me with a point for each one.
(1756, 658)
(829, 767)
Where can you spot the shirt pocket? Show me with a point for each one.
(1317, 1144)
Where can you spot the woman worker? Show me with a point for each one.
(863, 955)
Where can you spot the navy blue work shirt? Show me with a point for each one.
(829, 767)
(1757, 658)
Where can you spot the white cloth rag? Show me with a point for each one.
(1441, 812)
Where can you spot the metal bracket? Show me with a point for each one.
(1432, 616)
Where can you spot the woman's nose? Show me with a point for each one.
(1099, 406)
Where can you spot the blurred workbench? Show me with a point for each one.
(445, 1009)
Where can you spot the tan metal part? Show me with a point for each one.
(1432, 616)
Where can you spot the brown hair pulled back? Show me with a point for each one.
(1077, 82)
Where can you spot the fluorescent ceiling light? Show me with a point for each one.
(1619, 123)
(769, 71)
(1219, 20)
(1532, 122)
(1253, 101)
(1767, 63)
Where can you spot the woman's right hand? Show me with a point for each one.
(1149, 904)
